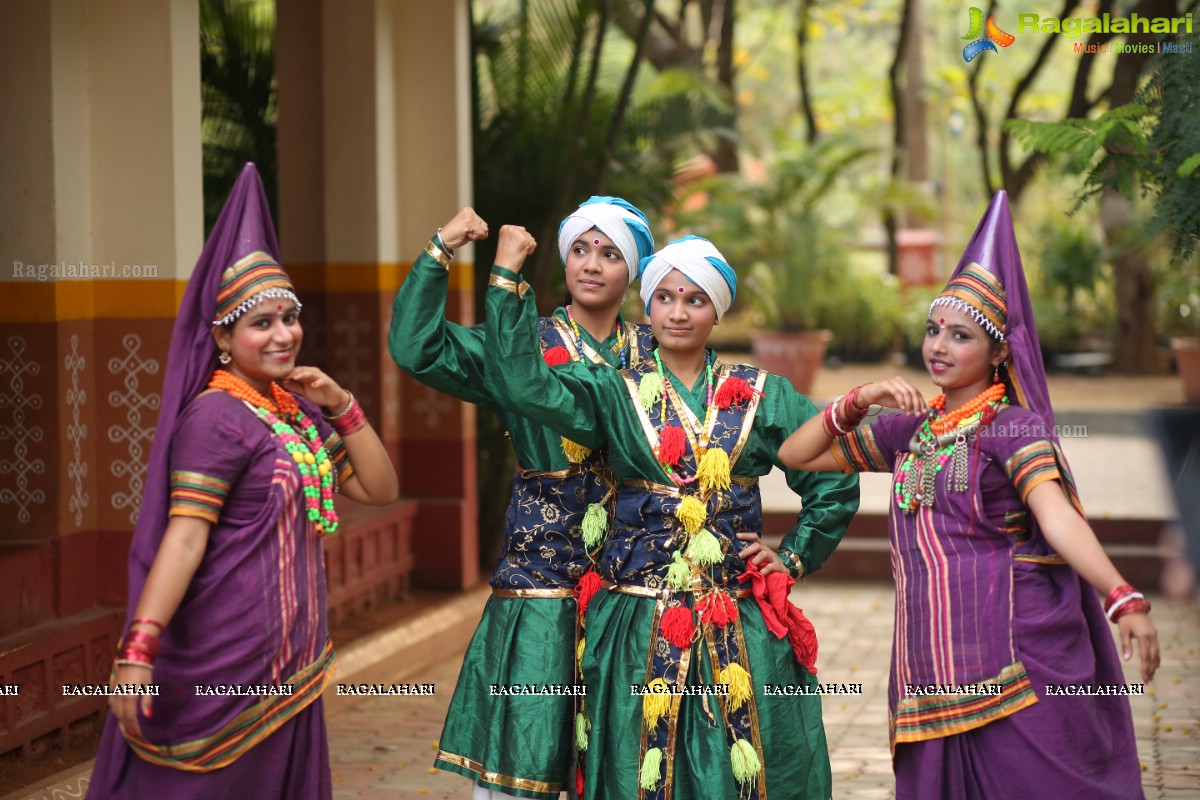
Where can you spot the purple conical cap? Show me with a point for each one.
(244, 227)
(989, 284)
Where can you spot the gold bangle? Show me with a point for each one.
(438, 254)
(793, 561)
(124, 662)
(508, 285)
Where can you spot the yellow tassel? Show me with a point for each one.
(713, 472)
(581, 732)
(595, 525)
(692, 513)
(704, 548)
(650, 389)
(579, 650)
(656, 703)
(575, 452)
(744, 761)
(679, 573)
(651, 765)
(738, 681)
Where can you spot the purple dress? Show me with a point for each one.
(988, 616)
(253, 616)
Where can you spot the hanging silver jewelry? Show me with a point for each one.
(225, 358)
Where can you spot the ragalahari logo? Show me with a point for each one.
(984, 37)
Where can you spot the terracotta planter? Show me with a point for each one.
(795, 356)
(1187, 361)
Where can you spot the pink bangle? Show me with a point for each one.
(352, 420)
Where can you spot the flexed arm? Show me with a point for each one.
(564, 398)
(442, 355)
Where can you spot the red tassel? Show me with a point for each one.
(803, 638)
(677, 626)
(586, 589)
(734, 391)
(579, 782)
(717, 609)
(672, 444)
(556, 355)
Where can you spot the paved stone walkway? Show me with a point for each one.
(382, 749)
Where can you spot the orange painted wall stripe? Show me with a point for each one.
(29, 302)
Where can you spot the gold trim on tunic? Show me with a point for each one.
(506, 781)
(533, 593)
(746, 481)
(509, 285)
(531, 474)
(438, 254)
(739, 593)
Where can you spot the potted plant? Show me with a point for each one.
(1180, 299)
(769, 222)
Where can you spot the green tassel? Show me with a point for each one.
(679, 574)
(650, 389)
(651, 765)
(705, 548)
(581, 732)
(595, 525)
(744, 761)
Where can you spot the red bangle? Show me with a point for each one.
(148, 621)
(1138, 605)
(141, 640)
(851, 405)
(352, 420)
(1116, 594)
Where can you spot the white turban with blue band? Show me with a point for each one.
(700, 262)
(615, 218)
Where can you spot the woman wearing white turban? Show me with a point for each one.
(522, 745)
(700, 674)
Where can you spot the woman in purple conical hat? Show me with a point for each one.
(1001, 645)
(225, 651)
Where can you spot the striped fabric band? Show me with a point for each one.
(978, 293)
(1032, 464)
(933, 715)
(858, 452)
(196, 495)
(246, 729)
(243, 283)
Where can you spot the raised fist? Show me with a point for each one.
(513, 247)
(467, 226)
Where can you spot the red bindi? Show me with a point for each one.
(596, 242)
(942, 321)
(681, 290)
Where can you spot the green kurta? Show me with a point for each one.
(519, 745)
(595, 408)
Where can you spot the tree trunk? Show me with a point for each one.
(806, 102)
(726, 155)
(1135, 345)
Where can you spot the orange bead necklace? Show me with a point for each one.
(280, 402)
(941, 423)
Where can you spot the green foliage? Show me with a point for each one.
(550, 88)
(1109, 150)
(788, 254)
(1174, 92)
(237, 95)
(1070, 286)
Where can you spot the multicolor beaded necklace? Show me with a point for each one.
(941, 440)
(618, 348)
(305, 448)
